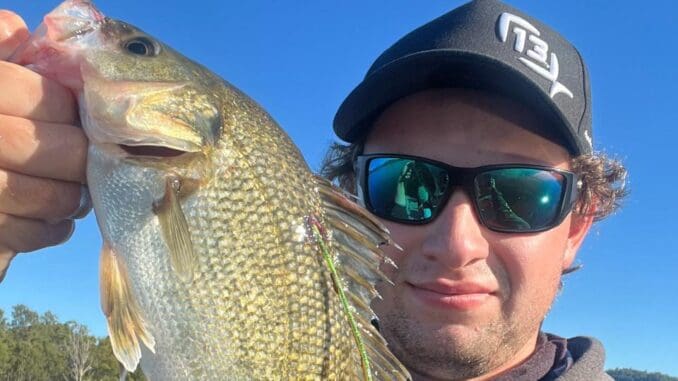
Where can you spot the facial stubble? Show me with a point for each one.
(434, 352)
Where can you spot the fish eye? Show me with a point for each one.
(141, 46)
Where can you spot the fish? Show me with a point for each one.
(224, 256)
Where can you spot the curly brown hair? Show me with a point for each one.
(603, 178)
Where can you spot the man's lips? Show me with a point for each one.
(451, 295)
(454, 288)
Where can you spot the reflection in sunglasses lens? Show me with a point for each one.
(519, 199)
(507, 199)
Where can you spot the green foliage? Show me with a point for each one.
(23, 317)
(38, 347)
(34, 346)
(107, 367)
(627, 374)
(4, 346)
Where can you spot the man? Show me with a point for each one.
(496, 106)
(482, 85)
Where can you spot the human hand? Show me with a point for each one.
(42, 154)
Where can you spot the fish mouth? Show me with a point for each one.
(66, 35)
(73, 19)
(151, 151)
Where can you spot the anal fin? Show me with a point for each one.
(126, 326)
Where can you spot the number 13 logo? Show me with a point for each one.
(537, 54)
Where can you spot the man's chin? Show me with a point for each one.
(442, 350)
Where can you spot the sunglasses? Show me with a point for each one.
(512, 198)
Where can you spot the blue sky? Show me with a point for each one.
(300, 59)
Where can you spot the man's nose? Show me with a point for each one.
(454, 238)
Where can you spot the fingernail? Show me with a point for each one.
(70, 233)
(5, 28)
(13, 31)
(84, 206)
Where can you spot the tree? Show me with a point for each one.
(48, 318)
(106, 367)
(23, 317)
(4, 346)
(104, 364)
(40, 348)
(35, 345)
(79, 348)
(627, 374)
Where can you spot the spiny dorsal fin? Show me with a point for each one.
(175, 230)
(357, 237)
(125, 324)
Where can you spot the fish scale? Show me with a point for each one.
(224, 257)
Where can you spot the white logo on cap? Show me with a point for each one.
(588, 138)
(537, 55)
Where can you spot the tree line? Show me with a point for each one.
(627, 374)
(36, 347)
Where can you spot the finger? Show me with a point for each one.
(30, 148)
(23, 234)
(6, 256)
(13, 32)
(37, 198)
(26, 94)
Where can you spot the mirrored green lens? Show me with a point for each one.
(405, 189)
(519, 199)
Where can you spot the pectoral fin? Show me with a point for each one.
(125, 324)
(175, 230)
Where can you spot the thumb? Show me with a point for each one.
(13, 32)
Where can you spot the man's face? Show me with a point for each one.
(468, 301)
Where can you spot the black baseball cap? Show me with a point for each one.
(484, 44)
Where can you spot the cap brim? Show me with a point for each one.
(440, 69)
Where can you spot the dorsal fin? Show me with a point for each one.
(356, 238)
(125, 324)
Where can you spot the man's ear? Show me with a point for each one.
(580, 224)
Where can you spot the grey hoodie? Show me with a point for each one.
(559, 359)
(588, 357)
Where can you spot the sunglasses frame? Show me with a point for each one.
(464, 178)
